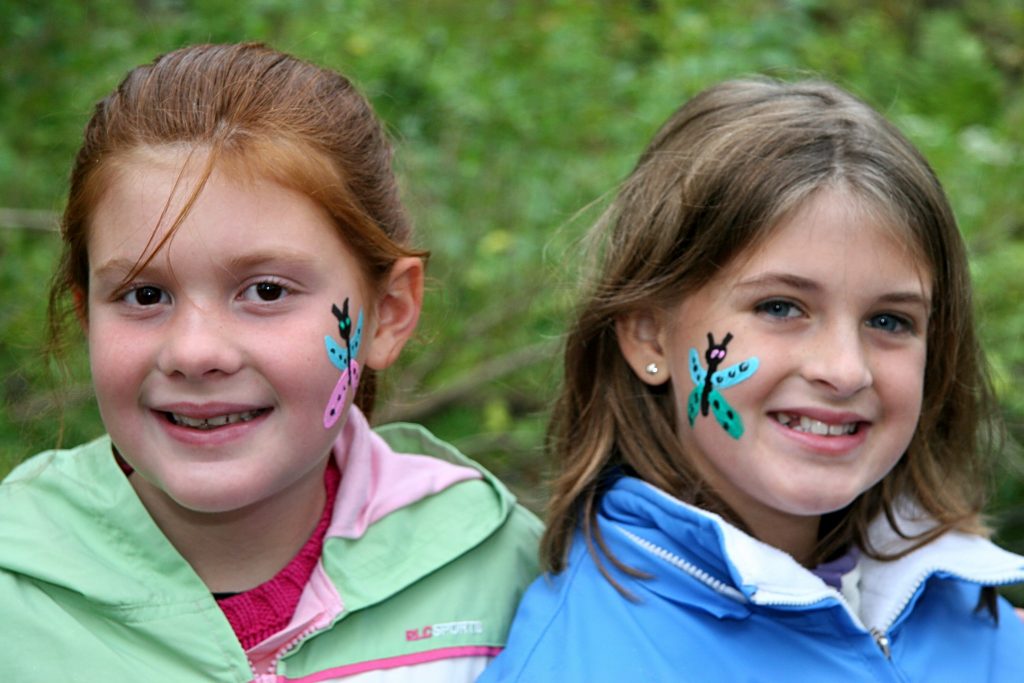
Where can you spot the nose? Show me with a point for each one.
(198, 344)
(839, 361)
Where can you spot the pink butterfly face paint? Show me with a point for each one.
(706, 394)
(343, 357)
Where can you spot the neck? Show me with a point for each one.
(797, 536)
(237, 550)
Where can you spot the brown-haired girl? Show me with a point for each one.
(237, 255)
(772, 430)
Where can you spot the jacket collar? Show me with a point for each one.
(642, 521)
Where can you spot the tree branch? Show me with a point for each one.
(467, 385)
(32, 219)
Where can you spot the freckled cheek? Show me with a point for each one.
(305, 362)
(115, 356)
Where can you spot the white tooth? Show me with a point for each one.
(803, 423)
(187, 421)
(212, 422)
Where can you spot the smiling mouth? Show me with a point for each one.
(802, 423)
(206, 423)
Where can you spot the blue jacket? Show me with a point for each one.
(719, 605)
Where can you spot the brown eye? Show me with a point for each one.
(268, 291)
(145, 296)
(265, 291)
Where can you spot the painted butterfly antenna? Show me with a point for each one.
(344, 320)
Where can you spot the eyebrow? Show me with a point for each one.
(764, 280)
(776, 279)
(115, 267)
(264, 258)
(120, 266)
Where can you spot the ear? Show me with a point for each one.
(81, 307)
(640, 339)
(398, 311)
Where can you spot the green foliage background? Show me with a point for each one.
(511, 117)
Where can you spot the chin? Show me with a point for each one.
(822, 505)
(208, 498)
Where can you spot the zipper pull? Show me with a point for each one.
(882, 641)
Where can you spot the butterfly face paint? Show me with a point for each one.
(709, 383)
(343, 358)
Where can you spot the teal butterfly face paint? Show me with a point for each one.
(344, 359)
(706, 394)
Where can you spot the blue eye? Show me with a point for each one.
(778, 308)
(146, 295)
(887, 322)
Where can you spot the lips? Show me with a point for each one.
(808, 425)
(213, 421)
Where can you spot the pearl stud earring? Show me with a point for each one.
(651, 369)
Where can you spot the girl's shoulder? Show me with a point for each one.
(59, 479)
(76, 461)
(404, 487)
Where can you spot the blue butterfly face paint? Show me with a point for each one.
(343, 358)
(706, 394)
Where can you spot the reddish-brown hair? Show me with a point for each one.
(242, 107)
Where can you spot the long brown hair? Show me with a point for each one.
(251, 109)
(714, 181)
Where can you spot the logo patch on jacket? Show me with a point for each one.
(451, 628)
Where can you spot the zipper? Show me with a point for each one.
(878, 635)
(901, 606)
(882, 641)
(687, 567)
(284, 650)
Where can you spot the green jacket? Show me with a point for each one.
(91, 590)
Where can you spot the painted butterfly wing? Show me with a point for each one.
(724, 414)
(336, 403)
(337, 353)
(732, 375)
(693, 404)
(357, 336)
(697, 373)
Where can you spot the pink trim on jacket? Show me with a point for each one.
(395, 662)
(375, 481)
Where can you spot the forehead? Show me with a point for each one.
(833, 229)
(158, 208)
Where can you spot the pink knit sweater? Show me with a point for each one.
(264, 610)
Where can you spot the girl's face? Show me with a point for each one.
(210, 366)
(828, 321)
